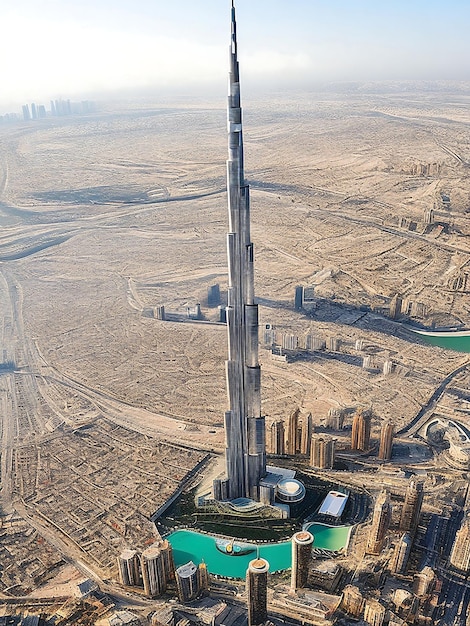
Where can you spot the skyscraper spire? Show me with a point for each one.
(245, 450)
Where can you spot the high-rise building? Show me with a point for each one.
(299, 298)
(257, 591)
(278, 438)
(412, 506)
(335, 419)
(352, 601)
(293, 443)
(360, 434)
(386, 441)
(374, 613)
(157, 568)
(187, 582)
(460, 554)
(306, 434)
(301, 557)
(380, 523)
(153, 571)
(401, 554)
(423, 581)
(322, 452)
(245, 452)
(129, 570)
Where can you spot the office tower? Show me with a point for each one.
(257, 591)
(203, 577)
(374, 613)
(322, 452)
(213, 296)
(360, 434)
(386, 441)
(245, 451)
(129, 571)
(306, 434)
(395, 306)
(335, 419)
(401, 554)
(380, 523)
(293, 432)
(187, 582)
(301, 556)
(26, 113)
(423, 581)
(352, 601)
(168, 562)
(278, 438)
(460, 554)
(299, 298)
(412, 506)
(153, 571)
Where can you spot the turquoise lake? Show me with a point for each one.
(189, 545)
(458, 341)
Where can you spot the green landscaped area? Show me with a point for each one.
(189, 545)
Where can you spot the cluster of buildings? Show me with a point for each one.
(58, 108)
(298, 436)
(154, 570)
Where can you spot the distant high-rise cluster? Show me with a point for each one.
(58, 108)
(295, 438)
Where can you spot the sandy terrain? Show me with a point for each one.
(105, 218)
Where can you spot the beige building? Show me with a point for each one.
(360, 434)
(380, 523)
(322, 452)
(460, 555)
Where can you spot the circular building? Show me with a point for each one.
(290, 491)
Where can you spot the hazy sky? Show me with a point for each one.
(65, 48)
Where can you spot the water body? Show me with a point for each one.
(458, 341)
(189, 545)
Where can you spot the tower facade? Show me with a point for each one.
(157, 568)
(322, 452)
(386, 441)
(293, 444)
(460, 555)
(301, 556)
(360, 434)
(412, 506)
(257, 591)
(128, 564)
(187, 582)
(245, 447)
(401, 554)
(380, 523)
(278, 438)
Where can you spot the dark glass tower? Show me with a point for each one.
(245, 449)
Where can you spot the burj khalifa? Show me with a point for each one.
(245, 447)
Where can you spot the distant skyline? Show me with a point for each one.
(59, 48)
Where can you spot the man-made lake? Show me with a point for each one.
(189, 545)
